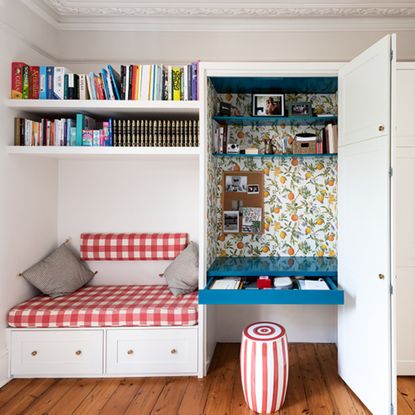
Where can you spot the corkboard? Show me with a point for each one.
(236, 191)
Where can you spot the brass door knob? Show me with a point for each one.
(173, 351)
(381, 277)
(34, 353)
(381, 128)
(131, 351)
(78, 352)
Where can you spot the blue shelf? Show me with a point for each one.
(277, 84)
(275, 267)
(274, 155)
(271, 120)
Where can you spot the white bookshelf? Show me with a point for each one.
(105, 152)
(105, 108)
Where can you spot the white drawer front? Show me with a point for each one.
(56, 353)
(154, 351)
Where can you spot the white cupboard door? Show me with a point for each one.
(364, 221)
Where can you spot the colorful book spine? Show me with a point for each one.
(42, 83)
(91, 85)
(49, 82)
(87, 137)
(17, 80)
(176, 82)
(34, 82)
(59, 82)
(194, 81)
(83, 88)
(116, 81)
(96, 138)
(25, 91)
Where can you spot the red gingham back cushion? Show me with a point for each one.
(132, 246)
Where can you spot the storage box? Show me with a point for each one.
(304, 146)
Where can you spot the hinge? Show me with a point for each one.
(392, 410)
(391, 55)
(390, 171)
(391, 289)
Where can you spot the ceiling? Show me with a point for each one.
(226, 15)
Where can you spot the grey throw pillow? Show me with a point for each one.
(60, 273)
(182, 274)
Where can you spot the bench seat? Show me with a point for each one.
(108, 306)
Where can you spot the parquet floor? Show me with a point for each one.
(314, 389)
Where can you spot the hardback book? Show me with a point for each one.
(42, 83)
(176, 72)
(25, 91)
(73, 86)
(34, 75)
(18, 130)
(87, 136)
(96, 138)
(59, 82)
(194, 80)
(83, 87)
(83, 122)
(49, 82)
(104, 78)
(116, 81)
(127, 82)
(17, 80)
(91, 85)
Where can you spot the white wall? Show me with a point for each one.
(172, 47)
(127, 196)
(29, 189)
(405, 221)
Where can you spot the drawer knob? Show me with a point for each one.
(78, 352)
(131, 351)
(381, 128)
(381, 277)
(34, 353)
(173, 351)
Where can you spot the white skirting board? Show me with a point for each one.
(406, 368)
(4, 368)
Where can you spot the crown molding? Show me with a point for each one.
(236, 16)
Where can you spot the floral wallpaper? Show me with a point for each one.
(299, 208)
(254, 135)
(300, 193)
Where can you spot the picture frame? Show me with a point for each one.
(299, 109)
(268, 105)
(251, 220)
(231, 221)
(253, 189)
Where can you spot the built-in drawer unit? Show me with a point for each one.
(159, 351)
(56, 352)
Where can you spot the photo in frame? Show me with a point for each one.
(268, 105)
(299, 109)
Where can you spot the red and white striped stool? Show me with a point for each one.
(264, 366)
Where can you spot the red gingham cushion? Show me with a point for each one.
(132, 246)
(108, 306)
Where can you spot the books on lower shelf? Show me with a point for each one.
(150, 82)
(83, 130)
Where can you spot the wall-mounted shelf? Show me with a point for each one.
(274, 155)
(107, 108)
(255, 120)
(276, 267)
(106, 152)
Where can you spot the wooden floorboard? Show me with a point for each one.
(314, 388)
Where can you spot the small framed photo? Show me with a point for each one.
(236, 184)
(231, 221)
(267, 105)
(299, 109)
(253, 189)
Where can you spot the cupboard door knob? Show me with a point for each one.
(381, 128)
(34, 353)
(381, 277)
(173, 351)
(131, 351)
(78, 352)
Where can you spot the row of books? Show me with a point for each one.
(81, 131)
(156, 133)
(84, 130)
(133, 82)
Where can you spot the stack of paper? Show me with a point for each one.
(228, 283)
(319, 284)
